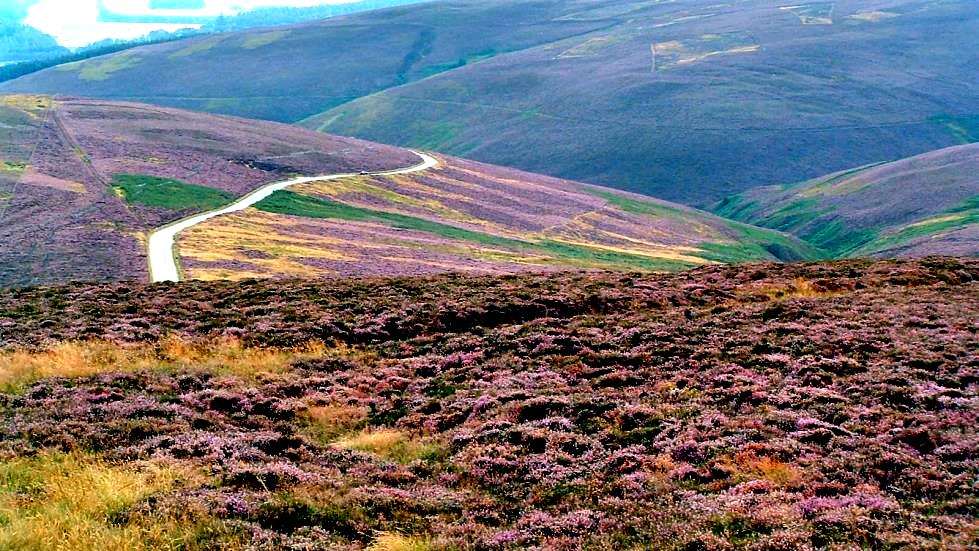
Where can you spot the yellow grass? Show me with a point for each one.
(263, 39)
(800, 288)
(751, 467)
(34, 178)
(936, 220)
(226, 356)
(347, 187)
(389, 541)
(70, 501)
(283, 249)
(224, 274)
(665, 252)
(29, 104)
(325, 423)
(390, 444)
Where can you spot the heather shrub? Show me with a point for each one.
(566, 411)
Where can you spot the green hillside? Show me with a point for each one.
(928, 204)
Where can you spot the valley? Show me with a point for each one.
(686, 101)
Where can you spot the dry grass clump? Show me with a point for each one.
(390, 541)
(75, 359)
(390, 444)
(326, 423)
(71, 501)
(799, 288)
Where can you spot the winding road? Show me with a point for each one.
(161, 244)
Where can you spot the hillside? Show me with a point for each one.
(687, 101)
(83, 181)
(289, 73)
(928, 204)
(467, 217)
(782, 407)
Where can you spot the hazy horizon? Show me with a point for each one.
(74, 23)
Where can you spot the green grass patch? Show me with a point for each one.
(838, 238)
(11, 168)
(735, 207)
(965, 128)
(153, 191)
(100, 69)
(197, 47)
(481, 55)
(263, 39)
(295, 204)
(635, 206)
(794, 215)
(435, 135)
(754, 244)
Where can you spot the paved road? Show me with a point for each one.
(162, 253)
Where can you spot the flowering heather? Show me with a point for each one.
(462, 216)
(767, 406)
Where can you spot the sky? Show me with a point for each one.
(74, 22)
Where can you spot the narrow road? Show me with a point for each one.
(161, 249)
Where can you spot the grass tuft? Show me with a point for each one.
(73, 501)
(77, 359)
(389, 541)
(394, 445)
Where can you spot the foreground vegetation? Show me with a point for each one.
(763, 407)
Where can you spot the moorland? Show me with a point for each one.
(767, 406)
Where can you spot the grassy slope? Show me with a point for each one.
(466, 216)
(104, 173)
(287, 75)
(922, 205)
(743, 94)
(783, 102)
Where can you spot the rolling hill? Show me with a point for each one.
(83, 181)
(464, 216)
(927, 204)
(688, 101)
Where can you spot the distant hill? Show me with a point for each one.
(83, 181)
(287, 74)
(688, 101)
(928, 204)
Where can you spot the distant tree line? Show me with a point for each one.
(45, 55)
(22, 42)
(16, 70)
